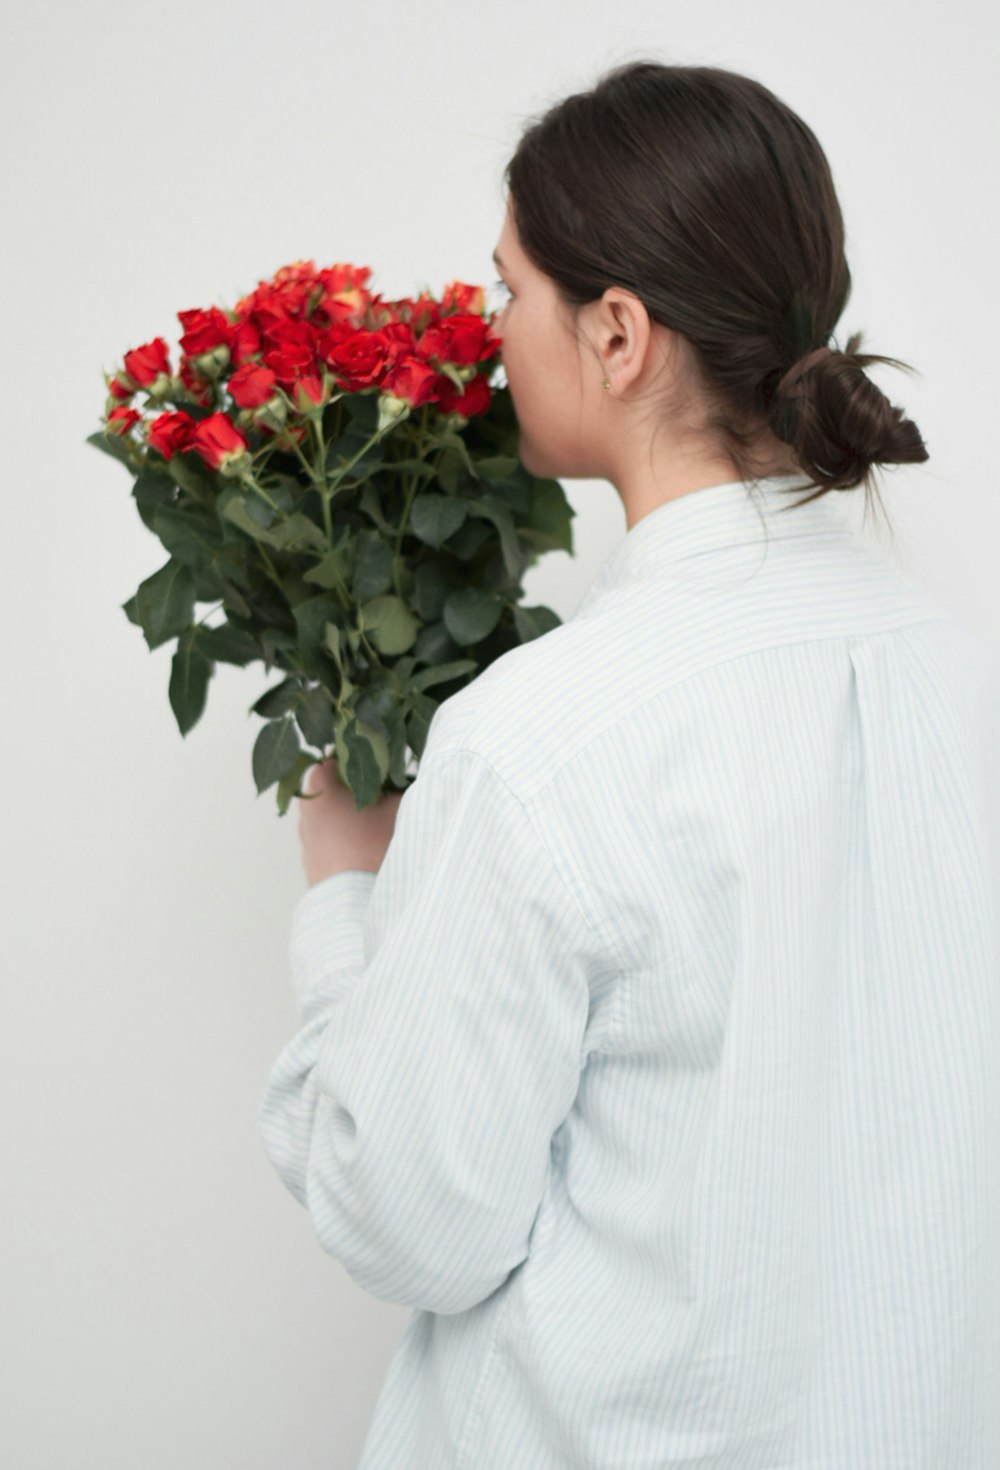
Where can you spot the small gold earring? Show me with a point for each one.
(605, 384)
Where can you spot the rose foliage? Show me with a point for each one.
(338, 477)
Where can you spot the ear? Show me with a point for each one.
(621, 331)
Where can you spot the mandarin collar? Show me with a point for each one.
(714, 517)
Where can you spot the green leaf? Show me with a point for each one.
(414, 467)
(363, 759)
(441, 673)
(311, 618)
(274, 752)
(469, 538)
(399, 756)
(333, 641)
(192, 474)
(233, 597)
(471, 614)
(290, 783)
(151, 490)
(334, 566)
(234, 508)
(190, 672)
(452, 440)
(418, 721)
(258, 510)
(551, 514)
(228, 645)
(515, 558)
(433, 518)
(532, 622)
(314, 715)
(298, 532)
(190, 536)
(165, 603)
(497, 466)
(363, 416)
(435, 644)
(391, 623)
(113, 443)
(371, 504)
(430, 588)
(372, 566)
(448, 470)
(277, 700)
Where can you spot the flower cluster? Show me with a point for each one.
(339, 478)
(291, 344)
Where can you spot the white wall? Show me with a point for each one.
(165, 1301)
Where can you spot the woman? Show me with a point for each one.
(647, 1041)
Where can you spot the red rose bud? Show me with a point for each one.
(412, 380)
(252, 385)
(310, 394)
(245, 343)
(170, 433)
(220, 444)
(464, 298)
(146, 364)
(474, 399)
(119, 387)
(121, 419)
(391, 410)
(198, 386)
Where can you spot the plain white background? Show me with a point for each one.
(165, 1301)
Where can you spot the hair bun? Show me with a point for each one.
(844, 424)
(797, 369)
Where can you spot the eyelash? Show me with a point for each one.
(504, 287)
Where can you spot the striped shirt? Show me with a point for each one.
(655, 1067)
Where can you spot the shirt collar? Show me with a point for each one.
(718, 516)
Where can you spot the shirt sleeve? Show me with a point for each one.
(444, 1007)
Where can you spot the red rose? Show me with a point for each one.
(290, 351)
(145, 364)
(464, 298)
(475, 398)
(218, 440)
(205, 330)
(245, 343)
(252, 384)
(170, 432)
(362, 358)
(199, 387)
(118, 389)
(462, 339)
(121, 419)
(412, 380)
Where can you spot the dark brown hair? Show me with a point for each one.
(699, 191)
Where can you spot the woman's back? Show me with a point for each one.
(764, 1233)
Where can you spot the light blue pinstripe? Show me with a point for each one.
(656, 1067)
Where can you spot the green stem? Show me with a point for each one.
(210, 612)
(248, 479)
(269, 565)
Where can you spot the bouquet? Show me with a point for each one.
(337, 475)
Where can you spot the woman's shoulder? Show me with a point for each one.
(516, 712)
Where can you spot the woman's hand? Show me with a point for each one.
(335, 836)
